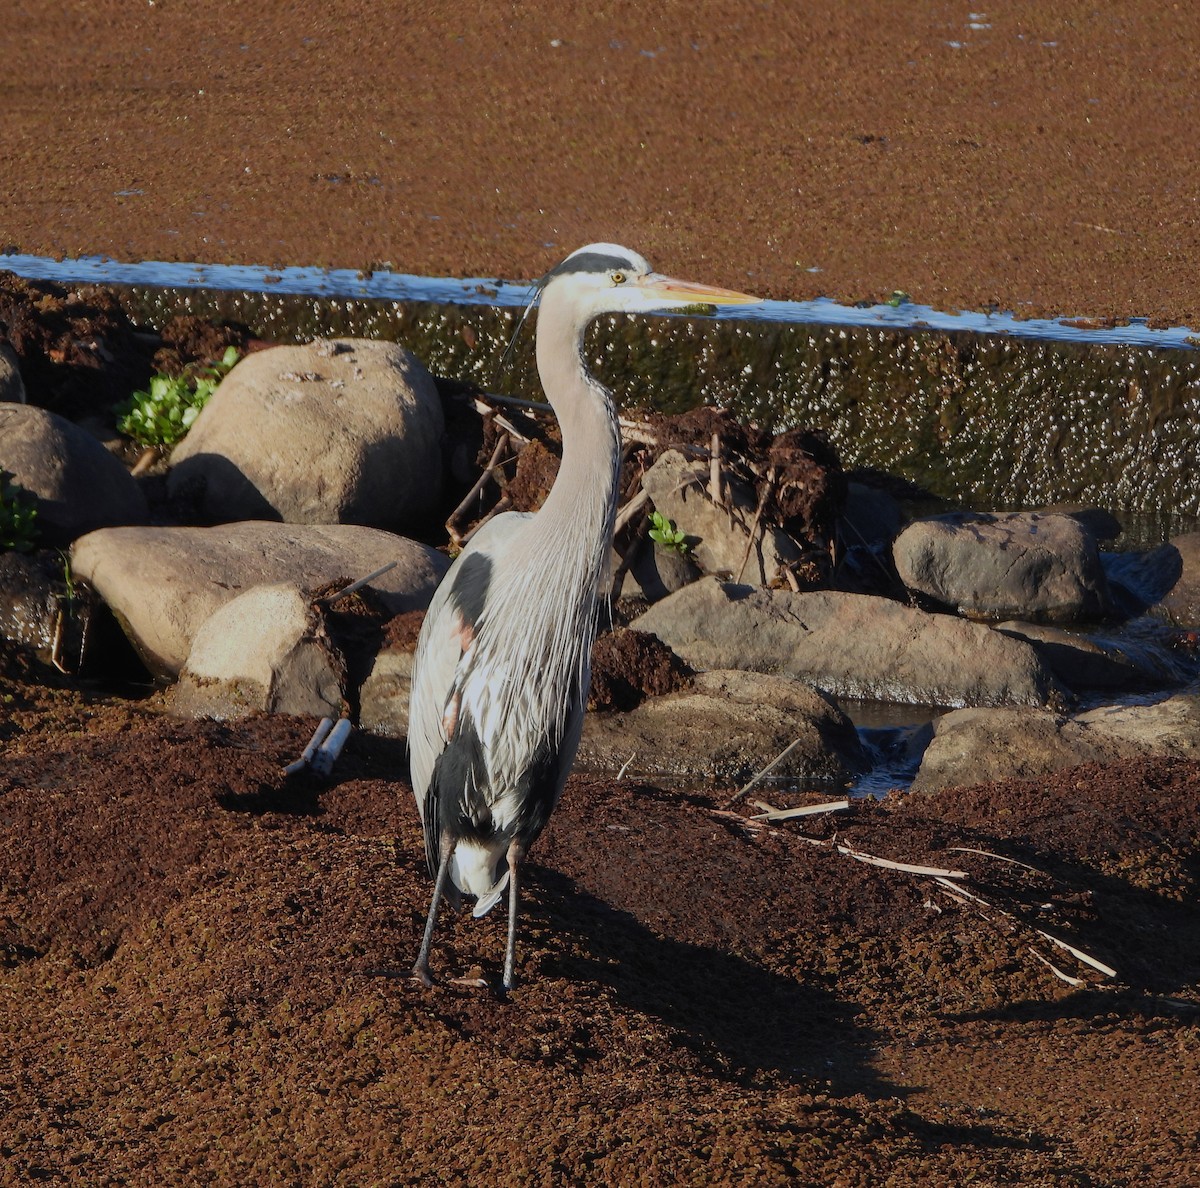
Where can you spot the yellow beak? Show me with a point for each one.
(667, 288)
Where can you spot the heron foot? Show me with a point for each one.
(421, 975)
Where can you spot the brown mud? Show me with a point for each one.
(1032, 157)
(203, 977)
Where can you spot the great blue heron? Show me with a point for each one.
(503, 662)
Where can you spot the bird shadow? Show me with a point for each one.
(735, 1016)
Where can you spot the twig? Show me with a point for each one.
(758, 515)
(807, 810)
(354, 587)
(714, 472)
(631, 509)
(474, 492)
(502, 505)
(934, 872)
(766, 771)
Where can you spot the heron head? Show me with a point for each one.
(606, 278)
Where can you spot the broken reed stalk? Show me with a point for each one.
(324, 726)
(354, 587)
(486, 410)
(758, 515)
(475, 491)
(715, 492)
(766, 771)
(806, 810)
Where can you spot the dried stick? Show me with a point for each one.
(474, 492)
(353, 587)
(714, 472)
(770, 767)
(758, 515)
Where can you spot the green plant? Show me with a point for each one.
(162, 415)
(664, 532)
(18, 516)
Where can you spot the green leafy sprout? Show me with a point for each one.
(18, 517)
(664, 532)
(162, 415)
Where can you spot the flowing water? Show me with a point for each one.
(983, 409)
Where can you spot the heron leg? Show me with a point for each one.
(420, 970)
(516, 854)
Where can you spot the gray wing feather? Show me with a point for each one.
(438, 652)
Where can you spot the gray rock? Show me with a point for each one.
(162, 583)
(981, 745)
(1081, 662)
(727, 726)
(678, 488)
(976, 746)
(1139, 579)
(1169, 727)
(1182, 605)
(656, 572)
(851, 645)
(12, 387)
(265, 650)
(333, 432)
(79, 485)
(383, 698)
(1023, 565)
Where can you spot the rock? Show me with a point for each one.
(1182, 605)
(12, 387)
(678, 489)
(162, 583)
(383, 698)
(656, 572)
(1022, 565)
(727, 726)
(1080, 662)
(851, 645)
(1170, 727)
(79, 485)
(267, 650)
(346, 431)
(1138, 580)
(977, 746)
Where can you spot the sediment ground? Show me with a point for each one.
(202, 963)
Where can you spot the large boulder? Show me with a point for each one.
(851, 645)
(974, 746)
(343, 431)
(1043, 567)
(163, 583)
(12, 387)
(1181, 605)
(265, 650)
(79, 485)
(726, 726)
(678, 488)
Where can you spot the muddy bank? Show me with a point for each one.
(203, 979)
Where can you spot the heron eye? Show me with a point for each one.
(617, 278)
